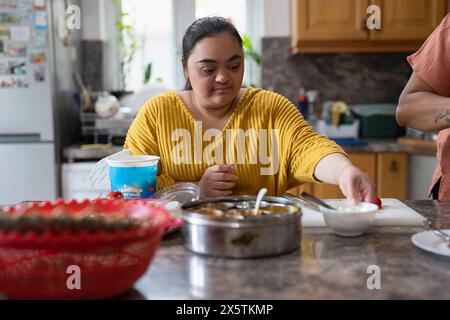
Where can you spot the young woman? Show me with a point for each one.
(234, 140)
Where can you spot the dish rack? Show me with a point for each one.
(102, 130)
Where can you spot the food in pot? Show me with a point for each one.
(228, 227)
(209, 211)
(241, 210)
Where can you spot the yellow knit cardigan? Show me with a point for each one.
(266, 138)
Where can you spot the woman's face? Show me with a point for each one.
(215, 69)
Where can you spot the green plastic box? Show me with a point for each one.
(377, 120)
(379, 127)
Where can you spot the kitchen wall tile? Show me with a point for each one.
(352, 77)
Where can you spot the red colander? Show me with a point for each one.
(79, 264)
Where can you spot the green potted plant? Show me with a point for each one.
(249, 52)
(128, 44)
(252, 56)
(148, 74)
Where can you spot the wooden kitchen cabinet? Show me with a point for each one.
(340, 25)
(408, 19)
(387, 170)
(330, 20)
(392, 175)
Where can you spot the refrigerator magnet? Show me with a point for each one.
(24, 5)
(14, 82)
(18, 67)
(10, 18)
(39, 74)
(39, 38)
(20, 33)
(40, 21)
(4, 33)
(4, 68)
(39, 4)
(5, 4)
(16, 50)
(38, 56)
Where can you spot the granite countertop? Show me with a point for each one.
(402, 145)
(89, 152)
(325, 267)
(376, 146)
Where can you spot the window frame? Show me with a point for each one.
(184, 15)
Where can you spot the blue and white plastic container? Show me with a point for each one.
(134, 176)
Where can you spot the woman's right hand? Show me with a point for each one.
(218, 181)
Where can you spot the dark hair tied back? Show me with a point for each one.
(202, 28)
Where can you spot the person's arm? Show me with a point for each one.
(337, 169)
(315, 158)
(422, 108)
(424, 104)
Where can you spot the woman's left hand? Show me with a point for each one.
(356, 185)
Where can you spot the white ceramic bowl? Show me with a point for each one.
(350, 220)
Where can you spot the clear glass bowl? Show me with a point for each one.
(181, 192)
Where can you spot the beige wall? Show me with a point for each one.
(277, 18)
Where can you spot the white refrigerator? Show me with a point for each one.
(37, 58)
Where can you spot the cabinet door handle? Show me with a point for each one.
(364, 24)
(394, 166)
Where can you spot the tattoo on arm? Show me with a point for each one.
(442, 116)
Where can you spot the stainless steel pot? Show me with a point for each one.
(242, 236)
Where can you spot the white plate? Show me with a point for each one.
(428, 241)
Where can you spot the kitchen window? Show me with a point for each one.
(152, 23)
(161, 25)
(235, 10)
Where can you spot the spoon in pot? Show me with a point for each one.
(259, 198)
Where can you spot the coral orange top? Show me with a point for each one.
(266, 139)
(432, 64)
